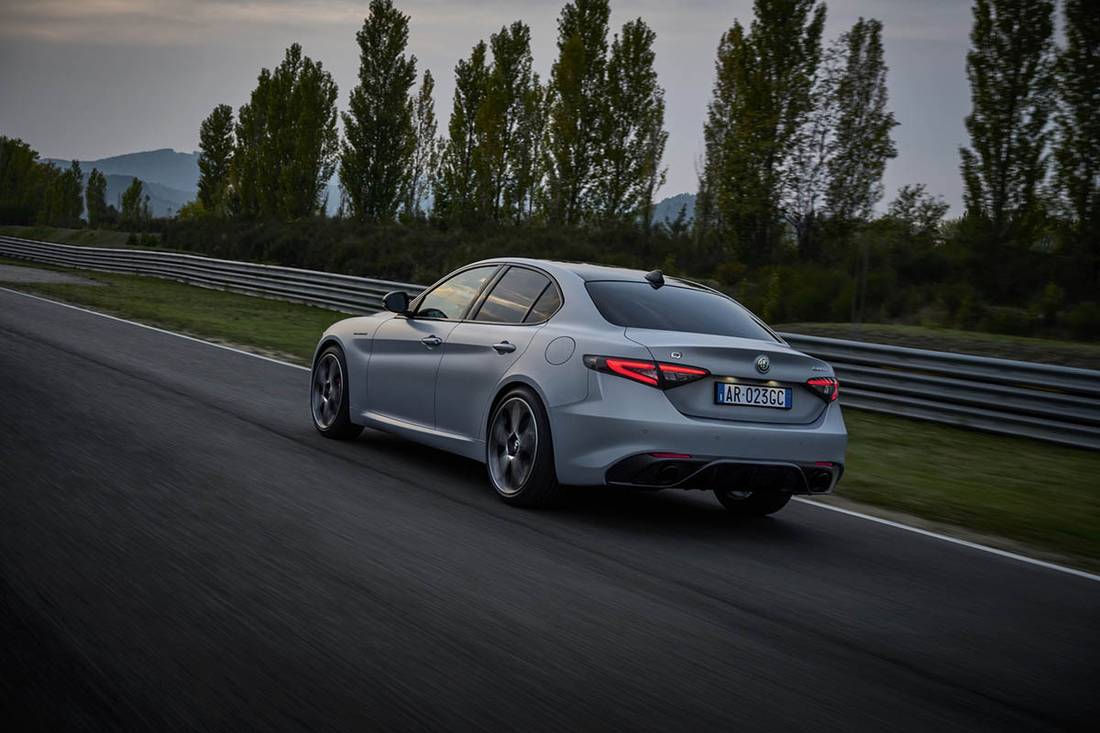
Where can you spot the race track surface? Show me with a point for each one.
(180, 549)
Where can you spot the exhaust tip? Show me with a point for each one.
(820, 480)
(669, 474)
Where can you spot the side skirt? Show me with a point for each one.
(441, 439)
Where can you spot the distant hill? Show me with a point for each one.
(171, 180)
(165, 166)
(164, 201)
(668, 209)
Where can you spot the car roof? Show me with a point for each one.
(589, 272)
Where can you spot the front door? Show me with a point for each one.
(405, 356)
(403, 364)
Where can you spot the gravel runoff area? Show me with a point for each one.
(17, 274)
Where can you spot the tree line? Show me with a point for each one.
(585, 146)
(33, 191)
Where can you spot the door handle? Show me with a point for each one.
(504, 347)
(431, 341)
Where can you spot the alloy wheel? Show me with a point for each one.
(513, 442)
(328, 390)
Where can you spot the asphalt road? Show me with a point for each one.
(180, 549)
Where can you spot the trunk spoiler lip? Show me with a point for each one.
(684, 339)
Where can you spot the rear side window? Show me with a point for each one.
(547, 304)
(672, 308)
(511, 298)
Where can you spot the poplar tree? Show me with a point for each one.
(425, 150)
(61, 198)
(20, 182)
(379, 139)
(576, 110)
(525, 190)
(215, 156)
(456, 191)
(806, 178)
(133, 213)
(1077, 150)
(249, 178)
(497, 159)
(762, 98)
(631, 130)
(862, 143)
(72, 190)
(95, 198)
(1010, 70)
(286, 141)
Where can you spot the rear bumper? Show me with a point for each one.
(621, 419)
(665, 471)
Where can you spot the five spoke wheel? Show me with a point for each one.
(328, 390)
(513, 445)
(328, 396)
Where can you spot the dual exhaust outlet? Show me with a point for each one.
(668, 470)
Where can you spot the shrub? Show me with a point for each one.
(1049, 303)
(1009, 320)
(1083, 320)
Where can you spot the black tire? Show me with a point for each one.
(521, 474)
(756, 504)
(328, 396)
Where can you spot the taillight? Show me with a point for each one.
(640, 371)
(827, 388)
(653, 374)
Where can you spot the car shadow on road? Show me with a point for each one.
(672, 511)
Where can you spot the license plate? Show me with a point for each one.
(752, 395)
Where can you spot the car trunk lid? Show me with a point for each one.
(733, 360)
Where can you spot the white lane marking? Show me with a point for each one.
(953, 540)
(810, 502)
(158, 330)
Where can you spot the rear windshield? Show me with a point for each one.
(672, 308)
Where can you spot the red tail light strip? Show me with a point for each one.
(640, 371)
(652, 374)
(828, 388)
(677, 369)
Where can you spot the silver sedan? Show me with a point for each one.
(557, 373)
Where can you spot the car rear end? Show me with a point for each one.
(694, 392)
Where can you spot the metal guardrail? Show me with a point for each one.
(1042, 401)
(340, 292)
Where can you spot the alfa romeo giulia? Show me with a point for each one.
(555, 373)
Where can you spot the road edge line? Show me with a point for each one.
(155, 328)
(953, 540)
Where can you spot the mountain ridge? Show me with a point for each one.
(171, 178)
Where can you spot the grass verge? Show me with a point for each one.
(1025, 490)
(1024, 348)
(271, 327)
(1030, 492)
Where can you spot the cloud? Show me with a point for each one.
(200, 22)
(167, 22)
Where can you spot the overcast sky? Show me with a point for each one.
(92, 78)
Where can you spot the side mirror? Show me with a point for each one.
(396, 302)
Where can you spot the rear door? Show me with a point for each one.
(406, 352)
(481, 350)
